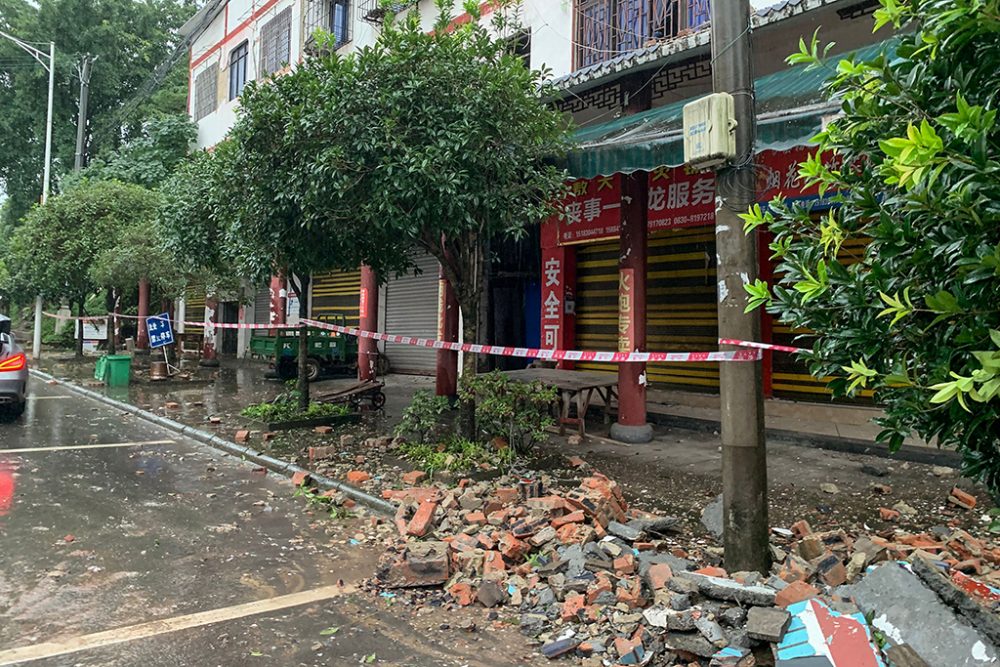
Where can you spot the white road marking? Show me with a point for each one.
(44, 398)
(129, 633)
(26, 450)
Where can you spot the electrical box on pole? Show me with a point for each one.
(710, 131)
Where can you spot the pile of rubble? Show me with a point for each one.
(591, 578)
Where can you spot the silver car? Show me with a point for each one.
(13, 371)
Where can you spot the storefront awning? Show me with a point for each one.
(790, 106)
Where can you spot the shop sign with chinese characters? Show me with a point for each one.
(552, 299)
(592, 211)
(626, 310)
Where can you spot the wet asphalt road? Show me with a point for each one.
(97, 542)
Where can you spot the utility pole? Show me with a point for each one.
(744, 457)
(81, 119)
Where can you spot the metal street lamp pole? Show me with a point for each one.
(37, 54)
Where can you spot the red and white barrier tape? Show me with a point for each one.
(534, 353)
(762, 346)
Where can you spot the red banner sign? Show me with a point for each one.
(681, 197)
(592, 211)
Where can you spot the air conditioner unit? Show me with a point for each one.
(709, 131)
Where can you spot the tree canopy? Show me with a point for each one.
(914, 316)
(127, 40)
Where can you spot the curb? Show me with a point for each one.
(239, 451)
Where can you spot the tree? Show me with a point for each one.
(52, 252)
(437, 141)
(912, 317)
(128, 39)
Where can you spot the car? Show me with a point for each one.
(13, 371)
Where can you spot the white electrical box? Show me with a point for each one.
(709, 131)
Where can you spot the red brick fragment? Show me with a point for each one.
(801, 528)
(243, 437)
(463, 594)
(888, 514)
(658, 575)
(962, 499)
(625, 564)
(572, 517)
(573, 605)
(301, 478)
(423, 520)
(323, 430)
(358, 476)
(414, 477)
(712, 571)
(795, 592)
(477, 518)
(507, 495)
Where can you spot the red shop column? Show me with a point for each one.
(446, 376)
(279, 295)
(208, 356)
(558, 283)
(142, 335)
(632, 426)
(368, 321)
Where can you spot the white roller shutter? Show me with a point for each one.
(411, 310)
(262, 306)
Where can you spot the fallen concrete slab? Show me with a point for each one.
(908, 612)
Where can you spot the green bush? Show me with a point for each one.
(455, 455)
(423, 420)
(518, 412)
(289, 411)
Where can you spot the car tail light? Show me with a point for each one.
(15, 363)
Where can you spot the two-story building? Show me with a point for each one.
(623, 69)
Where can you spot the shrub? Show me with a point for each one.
(518, 412)
(423, 420)
(289, 411)
(455, 455)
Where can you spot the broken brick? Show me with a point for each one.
(301, 478)
(831, 569)
(358, 476)
(576, 516)
(888, 514)
(962, 499)
(801, 528)
(462, 593)
(625, 564)
(414, 477)
(507, 495)
(493, 562)
(712, 572)
(572, 606)
(658, 575)
(477, 518)
(323, 430)
(243, 437)
(513, 549)
(795, 592)
(423, 520)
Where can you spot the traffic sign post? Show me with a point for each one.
(161, 334)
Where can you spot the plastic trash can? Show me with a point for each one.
(119, 370)
(101, 368)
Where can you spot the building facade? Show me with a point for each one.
(623, 70)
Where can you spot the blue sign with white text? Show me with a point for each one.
(160, 333)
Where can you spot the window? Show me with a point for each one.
(520, 45)
(608, 28)
(238, 70)
(206, 88)
(333, 16)
(276, 42)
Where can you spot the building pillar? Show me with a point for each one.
(446, 377)
(632, 426)
(368, 321)
(279, 295)
(558, 284)
(208, 354)
(142, 335)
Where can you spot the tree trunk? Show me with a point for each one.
(469, 305)
(301, 284)
(79, 330)
(109, 303)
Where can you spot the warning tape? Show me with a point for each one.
(504, 351)
(762, 346)
(534, 353)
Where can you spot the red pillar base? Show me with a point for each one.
(368, 321)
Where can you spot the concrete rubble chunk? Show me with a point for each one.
(729, 590)
(418, 564)
(907, 612)
(904, 656)
(711, 517)
(661, 617)
(627, 533)
(691, 643)
(733, 656)
(766, 624)
(982, 619)
(711, 631)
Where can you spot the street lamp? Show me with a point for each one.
(38, 54)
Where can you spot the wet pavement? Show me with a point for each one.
(96, 541)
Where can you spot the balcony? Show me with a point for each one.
(374, 11)
(608, 28)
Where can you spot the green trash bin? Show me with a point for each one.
(101, 368)
(119, 370)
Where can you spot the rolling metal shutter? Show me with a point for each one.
(335, 295)
(194, 308)
(681, 313)
(411, 305)
(262, 306)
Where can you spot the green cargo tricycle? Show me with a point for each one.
(329, 351)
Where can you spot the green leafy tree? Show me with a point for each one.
(127, 40)
(437, 141)
(914, 316)
(53, 251)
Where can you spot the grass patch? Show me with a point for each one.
(284, 412)
(456, 455)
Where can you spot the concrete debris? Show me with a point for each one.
(591, 578)
(711, 517)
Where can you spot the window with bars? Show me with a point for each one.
(608, 28)
(206, 91)
(276, 42)
(374, 11)
(333, 16)
(238, 70)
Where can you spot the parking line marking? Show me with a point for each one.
(155, 628)
(25, 450)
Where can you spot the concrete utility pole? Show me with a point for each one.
(744, 457)
(81, 120)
